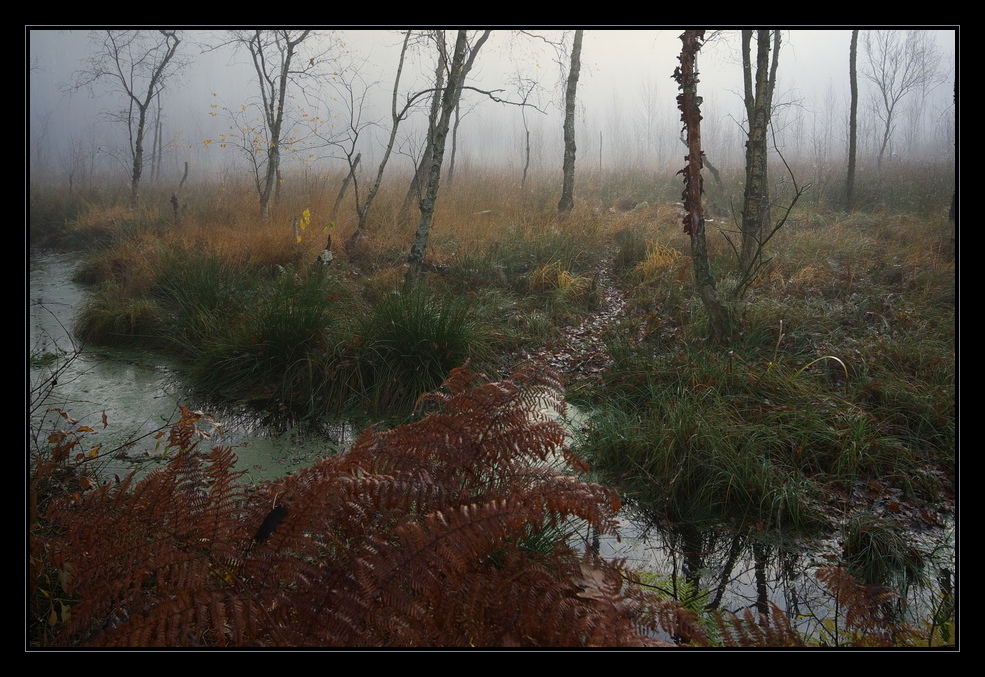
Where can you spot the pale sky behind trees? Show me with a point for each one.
(626, 116)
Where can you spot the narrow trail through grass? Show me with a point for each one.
(580, 351)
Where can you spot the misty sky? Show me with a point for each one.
(626, 101)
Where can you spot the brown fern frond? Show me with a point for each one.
(418, 536)
(758, 630)
(675, 620)
(867, 609)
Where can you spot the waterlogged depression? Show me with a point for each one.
(139, 395)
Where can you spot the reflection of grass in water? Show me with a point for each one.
(42, 359)
(877, 551)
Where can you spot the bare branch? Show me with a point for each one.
(137, 65)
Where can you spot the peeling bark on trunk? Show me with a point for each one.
(719, 315)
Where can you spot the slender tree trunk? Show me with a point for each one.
(852, 122)
(270, 178)
(885, 141)
(567, 201)
(526, 156)
(526, 134)
(353, 165)
(460, 68)
(416, 190)
(273, 165)
(454, 143)
(138, 156)
(155, 144)
(719, 315)
(759, 102)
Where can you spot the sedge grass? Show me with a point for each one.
(409, 342)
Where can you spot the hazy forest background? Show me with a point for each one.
(626, 113)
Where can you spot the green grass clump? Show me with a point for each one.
(266, 341)
(754, 434)
(699, 455)
(112, 319)
(204, 295)
(408, 343)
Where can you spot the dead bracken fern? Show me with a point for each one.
(424, 535)
(757, 630)
(867, 610)
(418, 536)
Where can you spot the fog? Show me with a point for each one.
(626, 117)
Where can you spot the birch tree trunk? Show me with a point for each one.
(567, 201)
(460, 66)
(759, 104)
(415, 191)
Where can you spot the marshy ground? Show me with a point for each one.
(831, 410)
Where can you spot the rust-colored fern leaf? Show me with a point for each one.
(423, 535)
(756, 630)
(866, 609)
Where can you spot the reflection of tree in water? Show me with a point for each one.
(719, 562)
(717, 569)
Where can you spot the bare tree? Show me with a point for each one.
(567, 201)
(461, 61)
(525, 88)
(759, 108)
(280, 61)
(356, 125)
(896, 65)
(421, 175)
(852, 122)
(719, 314)
(137, 64)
